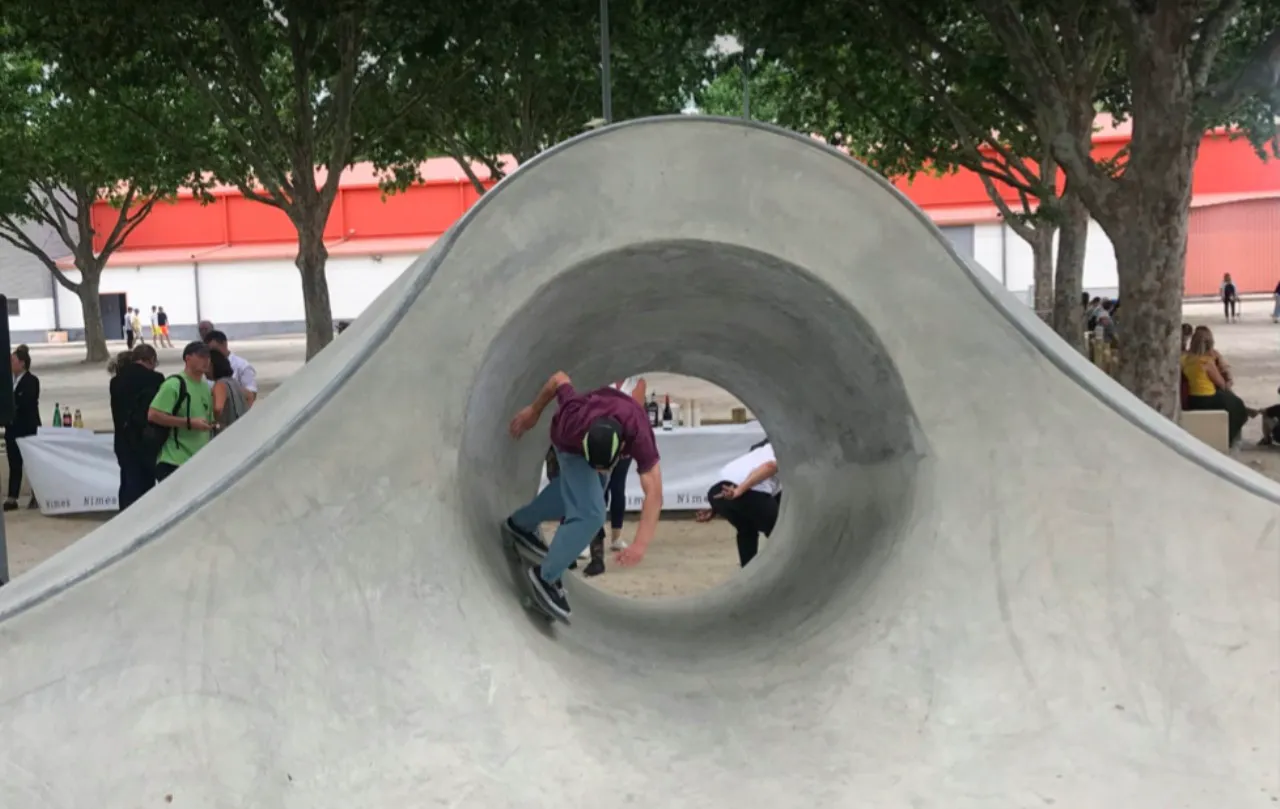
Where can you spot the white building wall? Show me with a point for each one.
(355, 282)
(169, 285)
(267, 295)
(1011, 261)
(988, 250)
(35, 315)
(261, 297)
(250, 292)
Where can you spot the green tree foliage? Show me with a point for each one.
(526, 75)
(1184, 66)
(767, 92)
(922, 82)
(292, 91)
(864, 79)
(65, 149)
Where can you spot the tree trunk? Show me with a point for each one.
(1041, 242)
(312, 257)
(95, 336)
(1073, 235)
(1151, 254)
(1146, 212)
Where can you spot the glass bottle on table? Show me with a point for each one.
(667, 418)
(77, 421)
(57, 415)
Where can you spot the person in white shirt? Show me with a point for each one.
(748, 495)
(242, 371)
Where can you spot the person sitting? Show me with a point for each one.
(1207, 389)
(1183, 392)
(748, 496)
(1224, 367)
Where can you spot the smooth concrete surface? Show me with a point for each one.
(997, 581)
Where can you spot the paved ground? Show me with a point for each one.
(686, 557)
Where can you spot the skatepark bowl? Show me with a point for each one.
(967, 604)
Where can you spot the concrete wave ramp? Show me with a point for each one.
(998, 580)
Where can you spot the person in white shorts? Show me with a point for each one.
(748, 495)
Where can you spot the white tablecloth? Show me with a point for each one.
(71, 470)
(691, 462)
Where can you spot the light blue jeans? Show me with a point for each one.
(577, 495)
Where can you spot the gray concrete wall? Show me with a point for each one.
(24, 279)
(21, 274)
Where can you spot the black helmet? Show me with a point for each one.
(602, 445)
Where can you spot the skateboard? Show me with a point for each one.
(524, 561)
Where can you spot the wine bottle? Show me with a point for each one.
(57, 415)
(668, 420)
(652, 408)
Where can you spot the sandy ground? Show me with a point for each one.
(685, 557)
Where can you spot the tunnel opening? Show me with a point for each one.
(806, 363)
(703, 536)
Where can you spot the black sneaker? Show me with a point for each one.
(594, 568)
(527, 540)
(552, 593)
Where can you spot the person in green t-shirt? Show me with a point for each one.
(184, 404)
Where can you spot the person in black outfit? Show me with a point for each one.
(1230, 298)
(133, 386)
(26, 418)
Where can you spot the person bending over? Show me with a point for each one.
(590, 432)
(747, 495)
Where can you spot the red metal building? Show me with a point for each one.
(1235, 221)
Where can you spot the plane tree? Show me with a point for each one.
(64, 151)
(1045, 68)
(884, 83)
(1186, 67)
(292, 92)
(526, 75)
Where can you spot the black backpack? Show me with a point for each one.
(153, 435)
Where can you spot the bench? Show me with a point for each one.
(1210, 426)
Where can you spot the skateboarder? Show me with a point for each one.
(590, 432)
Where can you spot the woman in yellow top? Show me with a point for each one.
(1224, 367)
(1208, 389)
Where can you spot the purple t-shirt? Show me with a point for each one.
(578, 410)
